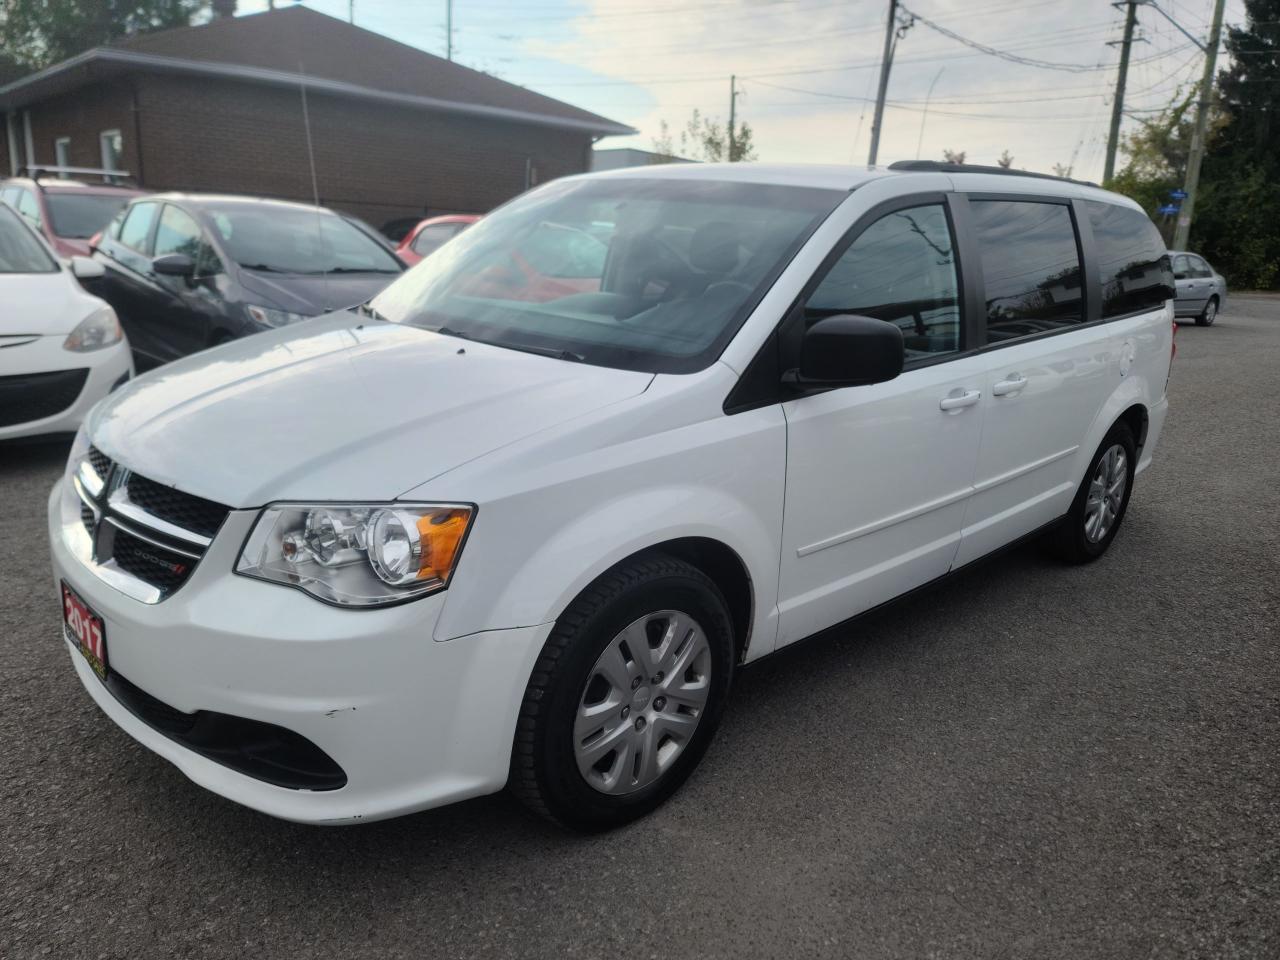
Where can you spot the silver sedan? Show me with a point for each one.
(1202, 291)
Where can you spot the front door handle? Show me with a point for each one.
(959, 401)
(1009, 386)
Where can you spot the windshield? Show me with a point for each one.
(652, 275)
(78, 216)
(284, 239)
(20, 251)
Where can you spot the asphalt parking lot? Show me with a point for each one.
(1032, 761)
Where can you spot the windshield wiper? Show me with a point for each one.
(356, 270)
(555, 353)
(368, 311)
(262, 268)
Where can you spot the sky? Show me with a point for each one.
(807, 69)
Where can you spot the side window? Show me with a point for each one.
(1030, 267)
(901, 269)
(1181, 268)
(9, 195)
(431, 237)
(1133, 265)
(29, 208)
(136, 229)
(178, 232)
(1199, 268)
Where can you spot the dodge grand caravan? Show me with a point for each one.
(464, 537)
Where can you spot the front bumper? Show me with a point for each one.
(413, 722)
(107, 367)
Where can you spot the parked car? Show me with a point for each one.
(428, 235)
(187, 271)
(61, 350)
(391, 558)
(1202, 291)
(66, 212)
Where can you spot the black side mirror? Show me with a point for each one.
(848, 351)
(1180, 276)
(174, 265)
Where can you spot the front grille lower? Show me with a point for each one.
(149, 532)
(163, 568)
(35, 396)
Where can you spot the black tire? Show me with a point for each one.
(544, 771)
(1208, 314)
(1069, 540)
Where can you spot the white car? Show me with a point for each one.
(521, 518)
(61, 350)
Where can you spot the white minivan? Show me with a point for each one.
(518, 520)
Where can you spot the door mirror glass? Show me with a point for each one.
(847, 350)
(85, 269)
(174, 265)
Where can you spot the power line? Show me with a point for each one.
(1002, 54)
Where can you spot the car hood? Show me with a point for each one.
(338, 409)
(312, 295)
(44, 304)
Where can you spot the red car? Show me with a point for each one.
(430, 234)
(66, 212)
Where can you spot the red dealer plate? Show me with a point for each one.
(86, 629)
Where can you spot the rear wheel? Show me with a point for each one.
(625, 696)
(1208, 314)
(1100, 504)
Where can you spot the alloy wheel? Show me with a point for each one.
(642, 702)
(1106, 493)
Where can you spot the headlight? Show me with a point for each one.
(100, 329)
(357, 555)
(274, 318)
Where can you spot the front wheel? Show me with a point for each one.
(1208, 314)
(1100, 504)
(625, 696)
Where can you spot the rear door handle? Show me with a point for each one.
(966, 399)
(1009, 386)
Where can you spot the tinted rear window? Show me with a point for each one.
(1132, 262)
(1030, 267)
(80, 216)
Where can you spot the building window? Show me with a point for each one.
(62, 153)
(112, 149)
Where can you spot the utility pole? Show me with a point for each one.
(1197, 137)
(733, 116)
(448, 29)
(886, 61)
(351, 11)
(1117, 105)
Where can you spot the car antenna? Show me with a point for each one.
(315, 185)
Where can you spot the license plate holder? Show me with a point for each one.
(85, 629)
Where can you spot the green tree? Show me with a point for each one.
(954, 156)
(704, 138)
(1006, 160)
(1237, 215)
(37, 33)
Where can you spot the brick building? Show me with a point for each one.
(395, 132)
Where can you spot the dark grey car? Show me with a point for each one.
(185, 272)
(1202, 291)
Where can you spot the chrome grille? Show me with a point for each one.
(142, 531)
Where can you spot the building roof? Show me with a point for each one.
(296, 45)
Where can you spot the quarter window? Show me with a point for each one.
(901, 269)
(1133, 265)
(137, 226)
(1030, 267)
(29, 208)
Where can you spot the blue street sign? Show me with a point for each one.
(1169, 209)
(1178, 194)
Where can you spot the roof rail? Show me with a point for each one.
(36, 171)
(942, 166)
